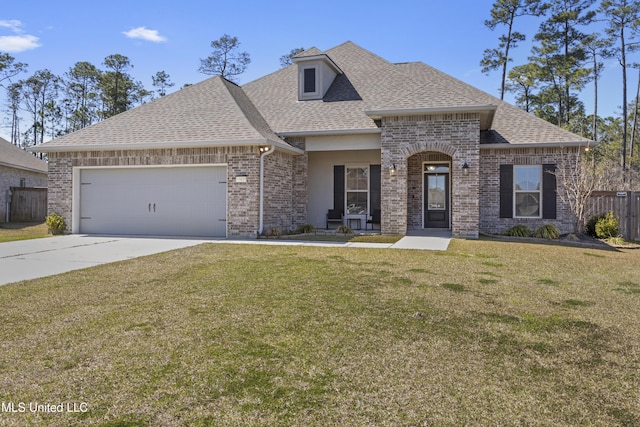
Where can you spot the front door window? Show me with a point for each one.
(436, 196)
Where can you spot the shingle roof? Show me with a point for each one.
(218, 112)
(372, 83)
(13, 157)
(212, 112)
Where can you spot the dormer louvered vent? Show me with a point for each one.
(309, 80)
(316, 73)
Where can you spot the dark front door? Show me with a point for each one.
(436, 197)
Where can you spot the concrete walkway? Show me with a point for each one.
(32, 259)
(434, 240)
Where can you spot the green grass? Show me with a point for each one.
(309, 336)
(337, 237)
(11, 231)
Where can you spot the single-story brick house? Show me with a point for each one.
(341, 129)
(18, 168)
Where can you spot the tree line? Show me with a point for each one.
(567, 54)
(53, 105)
(45, 106)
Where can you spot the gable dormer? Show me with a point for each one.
(316, 72)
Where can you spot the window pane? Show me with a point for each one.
(437, 192)
(358, 179)
(356, 203)
(527, 178)
(528, 204)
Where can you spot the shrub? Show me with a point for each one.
(548, 231)
(343, 229)
(518, 231)
(305, 229)
(55, 223)
(590, 227)
(608, 227)
(272, 232)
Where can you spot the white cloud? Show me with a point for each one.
(145, 34)
(12, 24)
(18, 42)
(14, 44)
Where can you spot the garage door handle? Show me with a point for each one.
(149, 207)
(154, 207)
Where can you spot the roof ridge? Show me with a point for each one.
(249, 111)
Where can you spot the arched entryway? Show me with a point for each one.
(429, 191)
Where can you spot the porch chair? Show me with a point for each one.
(375, 218)
(334, 215)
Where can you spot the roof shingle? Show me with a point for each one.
(13, 157)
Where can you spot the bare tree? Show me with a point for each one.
(578, 176)
(286, 60)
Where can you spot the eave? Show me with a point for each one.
(486, 112)
(511, 146)
(279, 145)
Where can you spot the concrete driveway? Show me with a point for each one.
(32, 259)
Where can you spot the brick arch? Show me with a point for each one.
(442, 147)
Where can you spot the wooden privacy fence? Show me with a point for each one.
(624, 204)
(28, 204)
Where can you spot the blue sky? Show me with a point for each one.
(173, 36)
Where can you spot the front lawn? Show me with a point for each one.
(10, 231)
(486, 333)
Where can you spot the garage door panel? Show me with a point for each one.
(184, 201)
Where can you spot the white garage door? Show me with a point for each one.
(168, 201)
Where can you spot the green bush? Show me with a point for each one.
(55, 223)
(608, 227)
(518, 231)
(305, 229)
(590, 227)
(343, 229)
(548, 231)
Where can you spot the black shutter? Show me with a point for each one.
(506, 191)
(548, 191)
(375, 186)
(338, 187)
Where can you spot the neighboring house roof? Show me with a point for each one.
(14, 157)
(370, 83)
(214, 112)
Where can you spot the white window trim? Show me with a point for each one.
(309, 95)
(346, 188)
(516, 191)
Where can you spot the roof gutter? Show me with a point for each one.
(263, 153)
(25, 168)
(61, 148)
(331, 132)
(430, 110)
(511, 146)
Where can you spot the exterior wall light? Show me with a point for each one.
(393, 168)
(465, 168)
(263, 149)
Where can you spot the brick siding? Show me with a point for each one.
(490, 162)
(403, 137)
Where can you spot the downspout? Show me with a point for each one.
(8, 211)
(264, 151)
